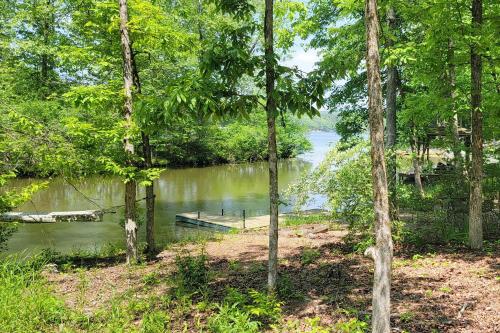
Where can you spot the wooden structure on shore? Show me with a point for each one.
(74, 216)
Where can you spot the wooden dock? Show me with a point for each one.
(223, 222)
(74, 216)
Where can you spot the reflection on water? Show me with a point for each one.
(209, 189)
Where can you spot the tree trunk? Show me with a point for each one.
(200, 26)
(381, 253)
(416, 163)
(148, 163)
(130, 186)
(47, 28)
(273, 154)
(392, 83)
(476, 199)
(457, 154)
(428, 147)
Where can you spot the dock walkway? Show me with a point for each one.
(73, 216)
(223, 222)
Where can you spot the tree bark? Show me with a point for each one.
(130, 186)
(476, 199)
(200, 26)
(46, 29)
(391, 102)
(416, 163)
(273, 154)
(381, 253)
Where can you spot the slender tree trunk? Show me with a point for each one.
(381, 253)
(428, 147)
(130, 186)
(416, 163)
(476, 198)
(457, 154)
(45, 61)
(273, 154)
(467, 154)
(148, 164)
(200, 26)
(392, 84)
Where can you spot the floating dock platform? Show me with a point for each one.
(223, 222)
(74, 216)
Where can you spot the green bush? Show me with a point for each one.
(344, 177)
(286, 289)
(309, 256)
(11, 198)
(230, 318)
(6, 231)
(353, 325)
(302, 219)
(192, 272)
(245, 312)
(264, 307)
(193, 142)
(440, 216)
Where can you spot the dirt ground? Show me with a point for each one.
(440, 290)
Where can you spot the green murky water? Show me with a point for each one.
(210, 189)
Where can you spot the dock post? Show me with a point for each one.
(198, 215)
(244, 219)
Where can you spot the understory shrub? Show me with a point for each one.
(11, 198)
(344, 178)
(192, 272)
(286, 290)
(6, 231)
(309, 256)
(439, 216)
(314, 325)
(230, 318)
(245, 312)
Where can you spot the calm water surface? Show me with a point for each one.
(210, 189)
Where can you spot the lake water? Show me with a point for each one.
(209, 189)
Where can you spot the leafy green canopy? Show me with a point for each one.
(432, 36)
(188, 142)
(232, 80)
(61, 80)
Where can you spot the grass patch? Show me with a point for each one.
(192, 272)
(301, 219)
(309, 256)
(26, 301)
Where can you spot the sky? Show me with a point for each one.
(303, 59)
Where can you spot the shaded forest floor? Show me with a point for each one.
(440, 290)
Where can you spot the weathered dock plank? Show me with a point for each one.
(223, 223)
(72, 216)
